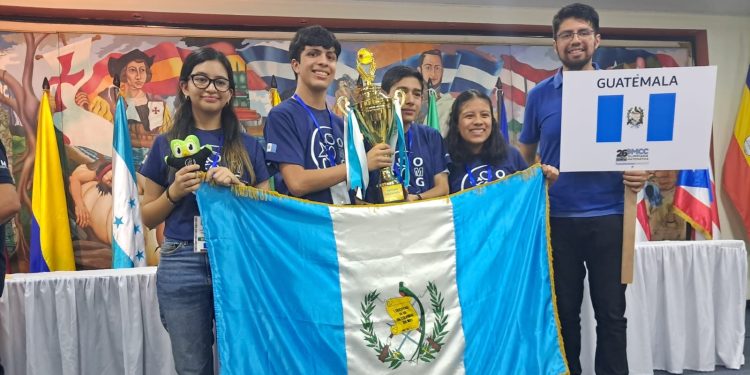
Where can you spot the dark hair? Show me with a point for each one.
(116, 65)
(576, 10)
(434, 52)
(314, 35)
(494, 149)
(397, 73)
(233, 153)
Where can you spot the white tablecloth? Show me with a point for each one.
(685, 308)
(85, 322)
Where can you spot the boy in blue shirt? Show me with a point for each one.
(426, 155)
(305, 141)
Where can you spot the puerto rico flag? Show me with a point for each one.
(695, 201)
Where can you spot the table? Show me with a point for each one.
(685, 308)
(85, 322)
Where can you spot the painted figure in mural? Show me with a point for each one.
(586, 208)
(431, 67)
(91, 191)
(148, 115)
(665, 224)
(344, 88)
(479, 153)
(183, 280)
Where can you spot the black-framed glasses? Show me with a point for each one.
(566, 36)
(202, 82)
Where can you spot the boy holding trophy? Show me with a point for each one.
(304, 139)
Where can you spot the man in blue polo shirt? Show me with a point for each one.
(304, 139)
(9, 207)
(585, 207)
(426, 155)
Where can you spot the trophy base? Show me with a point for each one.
(391, 193)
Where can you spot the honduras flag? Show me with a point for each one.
(475, 72)
(128, 245)
(268, 59)
(443, 286)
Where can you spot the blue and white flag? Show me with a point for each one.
(475, 72)
(128, 247)
(454, 285)
(269, 59)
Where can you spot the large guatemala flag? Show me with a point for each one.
(51, 244)
(128, 245)
(444, 286)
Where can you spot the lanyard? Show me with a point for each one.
(396, 166)
(216, 156)
(472, 180)
(329, 150)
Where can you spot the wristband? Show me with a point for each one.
(169, 198)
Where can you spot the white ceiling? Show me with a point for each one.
(717, 7)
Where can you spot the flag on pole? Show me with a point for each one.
(274, 92)
(128, 245)
(737, 162)
(433, 120)
(51, 244)
(695, 201)
(348, 289)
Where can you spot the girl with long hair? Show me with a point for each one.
(183, 278)
(479, 152)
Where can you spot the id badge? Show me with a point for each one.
(199, 238)
(340, 193)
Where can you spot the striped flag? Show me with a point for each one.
(128, 246)
(518, 78)
(348, 290)
(642, 227)
(475, 72)
(51, 244)
(695, 201)
(737, 162)
(269, 59)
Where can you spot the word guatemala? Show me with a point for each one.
(636, 81)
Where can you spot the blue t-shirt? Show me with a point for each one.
(292, 138)
(5, 178)
(179, 223)
(475, 172)
(427, 157)
(575, 194)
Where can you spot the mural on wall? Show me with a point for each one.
(81, 69)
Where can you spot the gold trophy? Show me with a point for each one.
(374, 111)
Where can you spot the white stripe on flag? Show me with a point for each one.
(476, 75)
(448, 75)
(268, 68)
(699, 193)
(414, 252)
(348, 70)
(516, 80)
(127, 228)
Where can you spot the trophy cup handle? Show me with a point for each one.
(343, 104)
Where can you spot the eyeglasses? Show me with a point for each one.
(202, 82)
(567, 36)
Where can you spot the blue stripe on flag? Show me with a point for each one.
(660, 117)
(460, 85)
(122, 145)
(480, 62)
(609, 118)
(36, 257)
(293, 325)
(503, 277)
(120, 256)
(264, 53)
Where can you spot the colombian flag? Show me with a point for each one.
(51, 245)
(737, 162)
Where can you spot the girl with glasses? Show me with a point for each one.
(183, 284)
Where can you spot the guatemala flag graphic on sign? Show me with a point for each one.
(647, 119)
(443, 286)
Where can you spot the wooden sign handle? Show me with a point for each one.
(628, 236)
